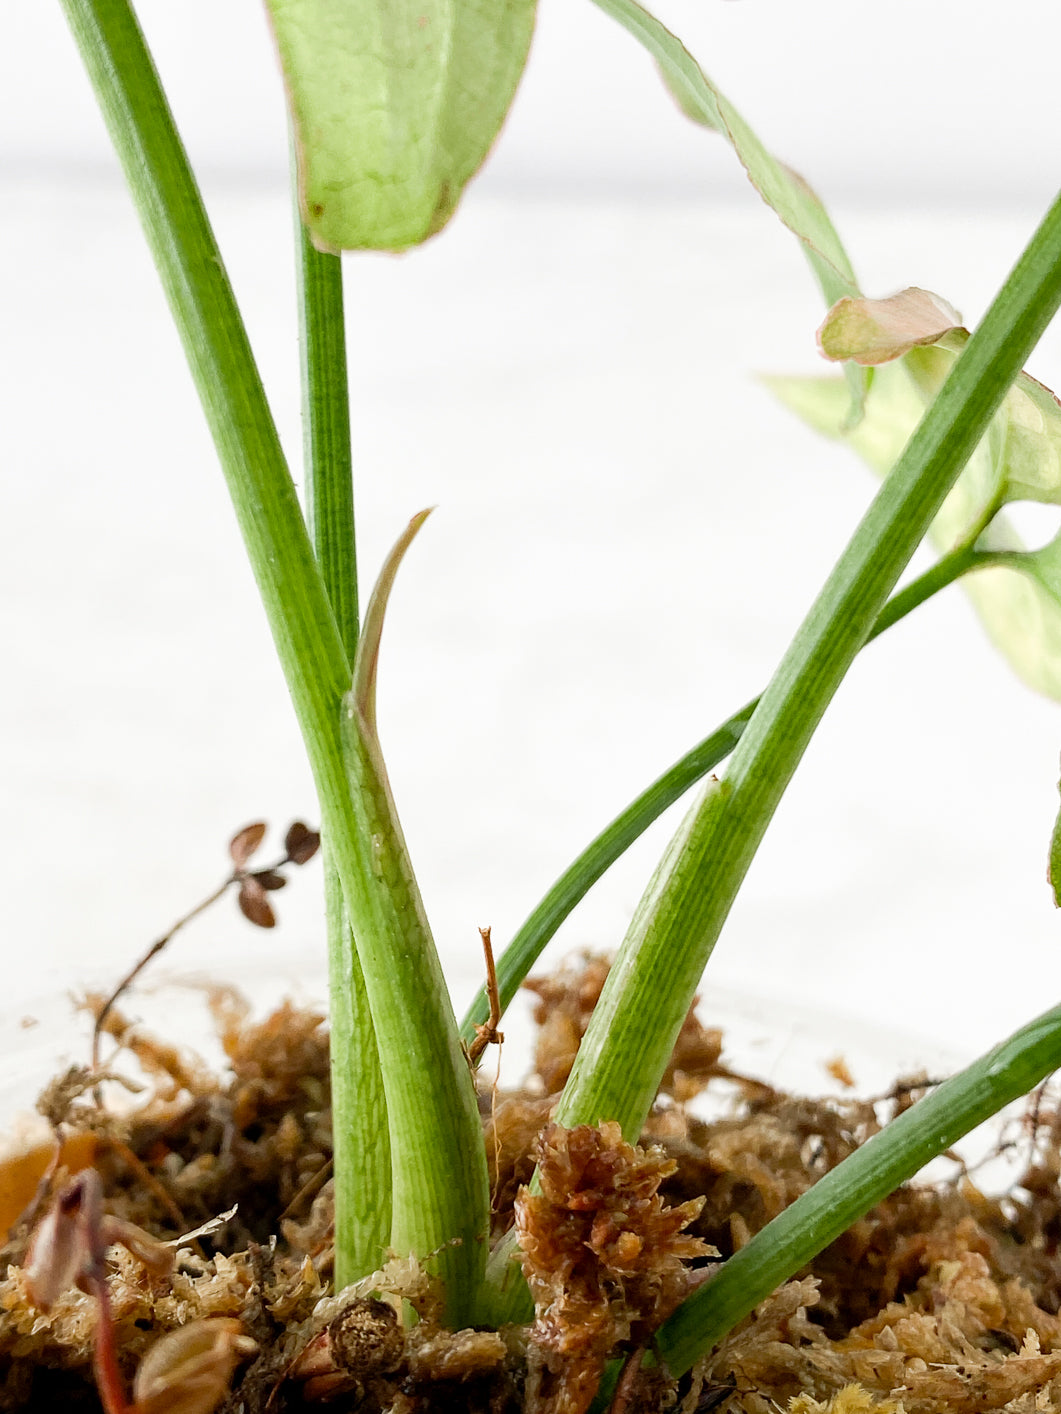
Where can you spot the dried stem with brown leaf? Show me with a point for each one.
(300, 845)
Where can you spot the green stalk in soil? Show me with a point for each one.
(431, 1109)
(634, 1027)
(361, 1141)
(635, 1024)
(850, 1190)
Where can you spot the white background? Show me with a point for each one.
(628, 529)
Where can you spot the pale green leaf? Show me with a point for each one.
(880, 331)
(1022, 616)
(782, 189)
(395, 104)
(1018, 599)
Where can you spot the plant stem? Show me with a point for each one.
(425, 1076)
(865, 1178)
(635, 1024)
(326, 430)
(580, 876)
(361, 1141)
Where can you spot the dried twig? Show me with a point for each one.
(487, 1034)
(300, 845)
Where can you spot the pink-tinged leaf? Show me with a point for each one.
(875, 331)
(244, 843)
(254, 905)
(301, 843)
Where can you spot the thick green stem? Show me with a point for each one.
(636, 1022)
(594, 861)
(360, 1135)
(424, 1073)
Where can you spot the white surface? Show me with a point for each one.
(900, 102)
(628, 529)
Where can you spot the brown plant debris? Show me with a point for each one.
(604, 1256)
(942, 1300)
(566, 1000)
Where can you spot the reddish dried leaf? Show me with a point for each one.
(244, 843)
(269, 879)
(301, 843)
(254, 905)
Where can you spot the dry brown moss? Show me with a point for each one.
(941, 1299)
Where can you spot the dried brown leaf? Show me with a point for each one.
(301, 843)
(269, 879)
(254, 905)
(189, 1370)
(245, 842)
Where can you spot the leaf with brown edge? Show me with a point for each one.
(787, 194)
(875, 331)
(254, 905)
(301, 843)
(245, 842)
(394, 105)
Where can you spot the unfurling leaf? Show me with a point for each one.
(301, 843)
(873, 331)
(388, 921)
(394, 104)
(254, 905)
(245, 842)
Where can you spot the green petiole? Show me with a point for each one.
(428, 1088)
(866, 1177)
(612, 842)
